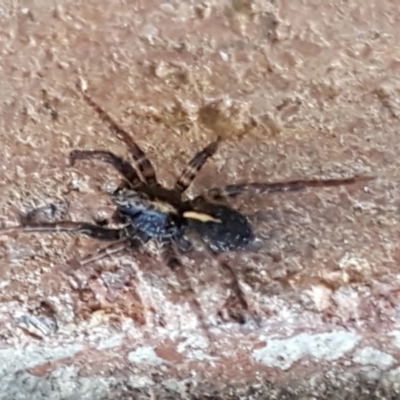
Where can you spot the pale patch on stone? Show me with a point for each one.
(282, 353)
(351, 262)
(145, 355)
(393, 375)
(396, 337)
(64, 382)
(110, 342)
(321, 296)
(193, 347)
(179, 386)
(370, 356)
(347, 302)
(140, 382)
(30, 356)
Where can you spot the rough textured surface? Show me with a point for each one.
(298, 89)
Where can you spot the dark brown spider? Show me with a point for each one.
(148, 211)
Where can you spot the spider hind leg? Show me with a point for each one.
(236, 304)
(229, 191)
(172, 261)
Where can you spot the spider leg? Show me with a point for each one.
(235, 284)
(142, 163)
(196, 163)
(278, 187)
(172, 261)
(85, 228)
(121, 165)
(113, 248)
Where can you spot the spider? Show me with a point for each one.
(145, 210)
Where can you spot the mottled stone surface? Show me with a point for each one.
(298, 89)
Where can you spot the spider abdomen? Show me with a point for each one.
(221, 227)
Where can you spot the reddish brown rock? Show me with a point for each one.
(297, 90)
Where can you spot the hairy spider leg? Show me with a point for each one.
(142, 163)
(113, 248)
(235, 284)
(277, 187)
(121, 165)
(196, 163)
(94, 231)
(172, 261)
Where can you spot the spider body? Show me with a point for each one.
(161, 214)
(149, 211)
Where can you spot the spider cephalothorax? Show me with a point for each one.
(147, 211)
(155, 218)
(167, 216)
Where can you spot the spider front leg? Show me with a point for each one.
(224, 192)
(142, 163)
(114, 248)
(91, 230)
(121, 165)
(195, 165)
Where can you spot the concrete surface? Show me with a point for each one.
(298, 89)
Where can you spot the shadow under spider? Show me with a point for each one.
(146, 211)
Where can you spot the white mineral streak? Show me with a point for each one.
(282, 353)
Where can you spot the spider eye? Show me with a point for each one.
(129, 201)
(131, 207)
